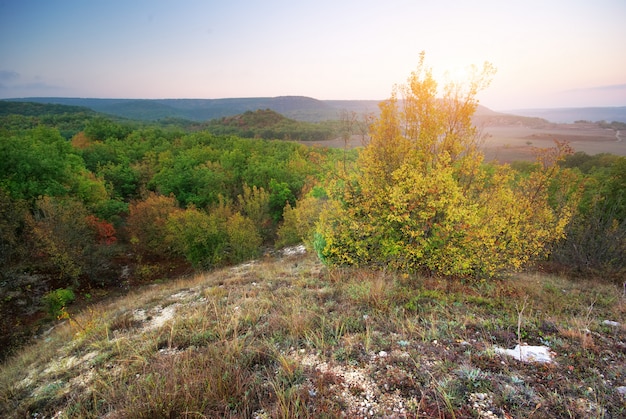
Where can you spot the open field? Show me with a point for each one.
(506, 143)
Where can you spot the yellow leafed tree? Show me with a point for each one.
(422, 199)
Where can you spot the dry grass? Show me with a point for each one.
(285, 338)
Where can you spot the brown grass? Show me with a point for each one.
(286, 338)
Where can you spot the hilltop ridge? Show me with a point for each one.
(301, 108)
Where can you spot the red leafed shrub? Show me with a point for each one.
(105, 232)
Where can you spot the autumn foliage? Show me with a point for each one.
(421, 198)
(105, 232)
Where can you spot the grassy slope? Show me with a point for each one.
(287, 338)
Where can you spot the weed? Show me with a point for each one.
(473, 378)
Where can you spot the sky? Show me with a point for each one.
(548, 53)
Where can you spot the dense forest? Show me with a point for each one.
(92, 205)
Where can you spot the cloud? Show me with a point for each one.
(39, 86)
(612, 87)
(605, 88)
(8, 75)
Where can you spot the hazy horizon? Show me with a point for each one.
(264, 97)
(548, 55)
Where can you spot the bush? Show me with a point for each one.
(62, 234)
(56, 301)
(146, 225)
(200, 237)
(254, 203)
(596, 237)
(299, 223)
(420, 198)
(244, 241)
(287, 233)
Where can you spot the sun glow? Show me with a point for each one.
(459, 74)
(463, 78)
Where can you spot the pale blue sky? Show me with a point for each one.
(549, 53)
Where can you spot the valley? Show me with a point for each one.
(507, 143)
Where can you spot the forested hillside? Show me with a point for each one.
(269, 124)
(301, 108)
(91, 205)
(88, 203)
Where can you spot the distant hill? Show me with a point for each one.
(302, 108)
(260, 123)
(570, 115)
(69, 120)
(37, 109)
(269, 124)
(487, 118)
(295, 107)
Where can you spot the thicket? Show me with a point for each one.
(595, 244)
(121, 202)
(116, 195)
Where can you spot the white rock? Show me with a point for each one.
(611, 323)
(621, 390)
(294, 250)
(527, 353)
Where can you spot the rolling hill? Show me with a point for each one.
(295, 107)
(300, 108)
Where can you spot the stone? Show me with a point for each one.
(527, 353)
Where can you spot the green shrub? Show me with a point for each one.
(56, 301)
(200, 237)
(595, 243)
(243, 238)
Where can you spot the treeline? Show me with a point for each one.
(616, 125)
(68, 120)
(265, 124)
